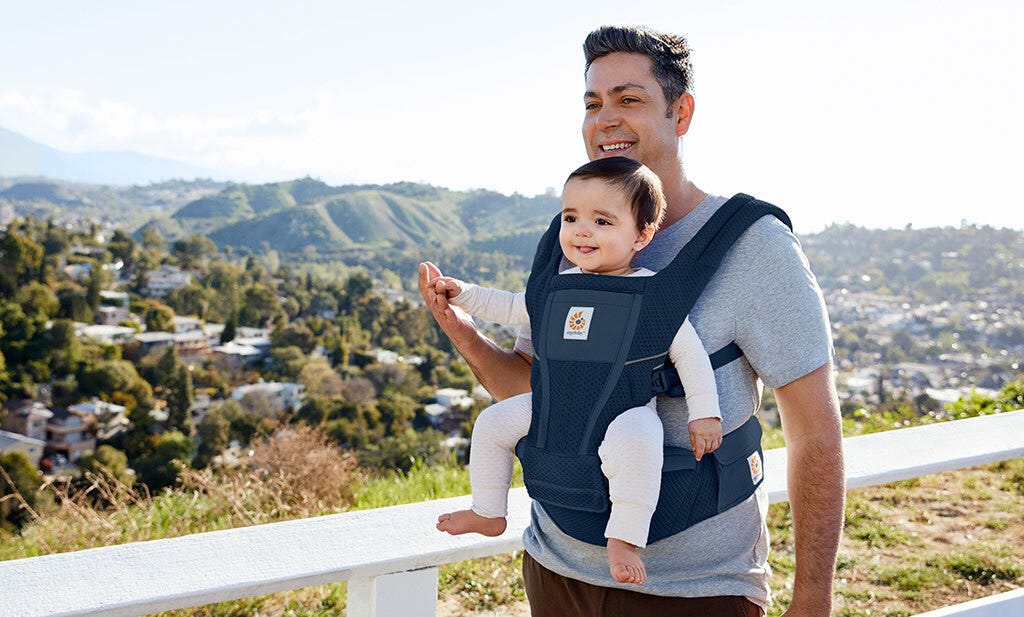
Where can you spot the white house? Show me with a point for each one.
(110, 418)
(165, 280)
(287, 395)
(453, 397)
(107, 334)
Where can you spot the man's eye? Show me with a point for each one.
(630, 99)
(590, 106)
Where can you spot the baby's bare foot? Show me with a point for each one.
(624, 560)
(467, 521)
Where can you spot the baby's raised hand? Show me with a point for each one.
(705, 436)
(447, 286)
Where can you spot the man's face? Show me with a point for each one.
(626, 112)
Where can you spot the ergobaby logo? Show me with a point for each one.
(577, 323)
(756, 470)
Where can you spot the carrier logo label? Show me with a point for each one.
(577, 323)
(756, 470)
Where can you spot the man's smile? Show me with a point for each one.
(616, 147)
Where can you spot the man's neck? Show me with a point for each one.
(681, 197)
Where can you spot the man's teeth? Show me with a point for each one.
(615, 147)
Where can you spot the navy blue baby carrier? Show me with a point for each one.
(601, 347)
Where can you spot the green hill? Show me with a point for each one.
(231, 204)
(286, 231)
(42, 191)
(290, 217)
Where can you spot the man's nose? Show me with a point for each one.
(607, 117)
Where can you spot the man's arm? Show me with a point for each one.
(811, 424)
(501, 372)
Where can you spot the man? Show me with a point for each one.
(765, 299)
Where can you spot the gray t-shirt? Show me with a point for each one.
(765, 298)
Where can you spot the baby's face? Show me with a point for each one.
(599, 232)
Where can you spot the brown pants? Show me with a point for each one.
(553, 595)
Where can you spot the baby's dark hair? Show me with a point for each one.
(641, 185)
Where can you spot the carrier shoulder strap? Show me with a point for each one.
(699, 260)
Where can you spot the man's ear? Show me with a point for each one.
(683, 110)
(644, 237)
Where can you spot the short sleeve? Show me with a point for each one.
(783, 329)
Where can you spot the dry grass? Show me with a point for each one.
(294, 474)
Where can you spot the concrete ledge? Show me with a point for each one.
(1006, 604)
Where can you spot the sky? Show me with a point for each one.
(878, 113)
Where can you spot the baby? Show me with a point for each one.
(611, 209)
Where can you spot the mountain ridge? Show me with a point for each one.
(22, 156)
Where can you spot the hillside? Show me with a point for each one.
(79, 204)
(307, 215)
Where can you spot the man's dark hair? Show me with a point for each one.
(669, 55)
(641, 185)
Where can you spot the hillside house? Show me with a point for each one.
(110, 419)
(111, 335)
(165, 280)
(285, 395)
(26, 418)
(70, 433)
(187, 324)
(16, 442)
(236, 356)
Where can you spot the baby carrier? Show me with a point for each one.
(601, 347)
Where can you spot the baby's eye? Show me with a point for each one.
(603, 222)
(569, 218)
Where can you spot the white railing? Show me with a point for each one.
(389, 556)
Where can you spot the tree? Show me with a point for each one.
(20, 261)
(230, 328)
(320, 379)
(174, 384)
(122, 246)
(288, 362)
(107, 377)
(356, 287)
(160, 318)
(19, 489)
(151, 240)
(192, 299)
(397, 412)
(259, 306)
(36, 298)
(401, 451)
(212, 433)
(259, 404)
(296, 335)
(92, 292)
(193, 251)
(160, 469)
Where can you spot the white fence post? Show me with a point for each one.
(405, 594)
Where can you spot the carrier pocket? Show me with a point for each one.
(740, 463)
(678, 459)
(569, 481)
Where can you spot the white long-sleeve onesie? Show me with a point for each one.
(632, 450)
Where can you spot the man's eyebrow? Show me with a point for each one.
(617, 89)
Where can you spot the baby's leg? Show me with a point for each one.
(495, 434)
(631, 458)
